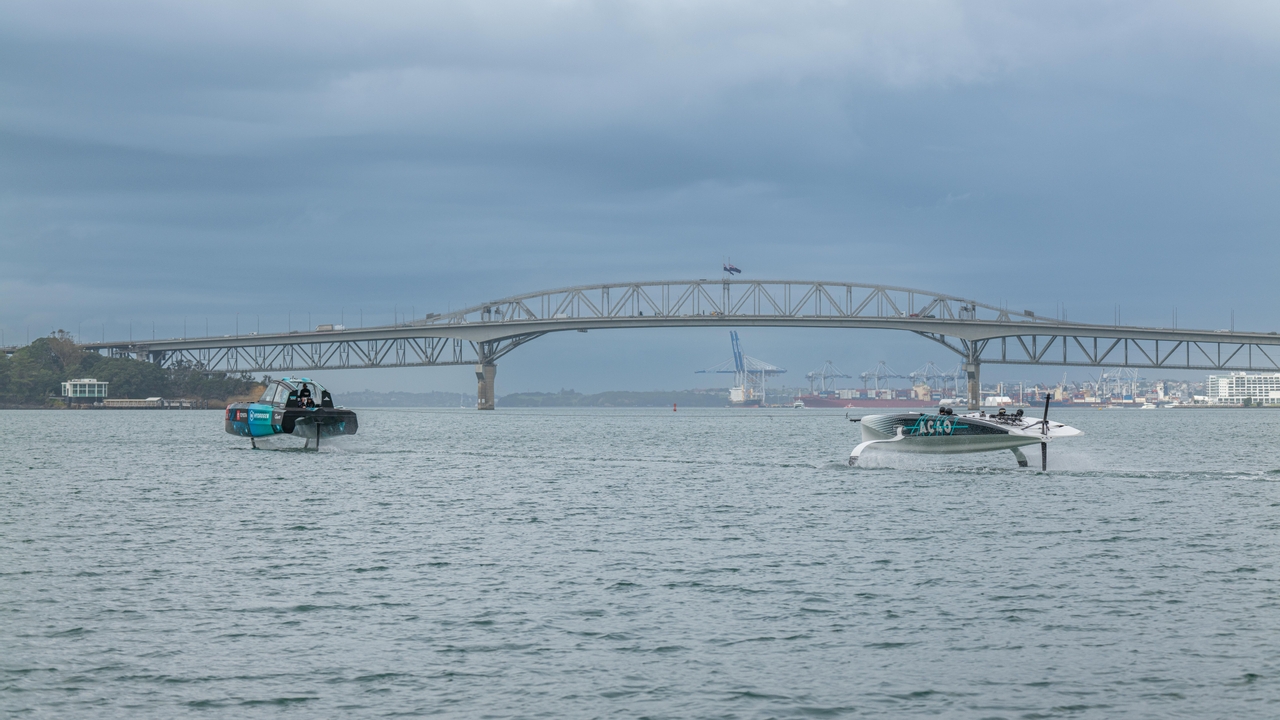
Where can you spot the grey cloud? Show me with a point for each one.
(237, 74)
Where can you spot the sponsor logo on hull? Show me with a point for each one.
(932, 425)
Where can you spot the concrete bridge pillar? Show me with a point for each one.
(971, 371)
(485, 373)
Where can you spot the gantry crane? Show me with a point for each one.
(749, 375)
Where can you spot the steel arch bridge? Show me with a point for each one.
(479, 335)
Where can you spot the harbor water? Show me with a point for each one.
(636, 563)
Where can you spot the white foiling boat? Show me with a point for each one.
(946, 432)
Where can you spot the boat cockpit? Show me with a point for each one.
(1005, 417)
(296, 393)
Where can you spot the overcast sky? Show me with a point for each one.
(171, 160)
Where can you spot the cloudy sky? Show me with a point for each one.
(171, 160)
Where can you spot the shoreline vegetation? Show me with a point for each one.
(32, 377)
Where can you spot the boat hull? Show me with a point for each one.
(954, 444)
(950, 434)
(259, 420)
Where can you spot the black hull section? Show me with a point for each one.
(331, 421)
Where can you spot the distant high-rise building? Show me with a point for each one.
(1234, 389)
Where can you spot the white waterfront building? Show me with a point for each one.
(1259, 388)
(84, 389)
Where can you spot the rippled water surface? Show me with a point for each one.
(575, 563)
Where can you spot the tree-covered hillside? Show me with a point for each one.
(33, 375)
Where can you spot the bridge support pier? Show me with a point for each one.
(485, 373)
(971, 371)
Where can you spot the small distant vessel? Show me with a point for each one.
(288, 409)
(745, 396)
(798, 404)
(946, 432)
(1148, 406)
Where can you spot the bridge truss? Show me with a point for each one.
(1085, 349)
(337, 354)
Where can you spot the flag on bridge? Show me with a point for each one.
(729, 268)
